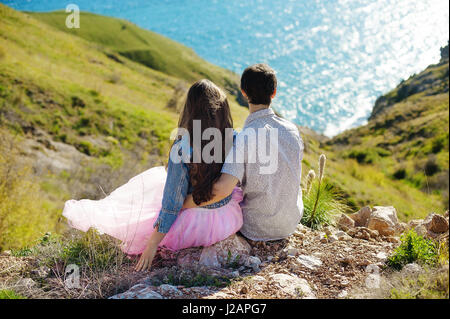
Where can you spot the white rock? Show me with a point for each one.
(373, 269)
(209, 257)
(384, 220)
(293, 285)
(309, 261)
(341, 235)
(292, 251)
(411, 268)
(139, 291)
(258, 279)
(343, 294)
(234, 248)
(381, 255)
(169, 290)
(373, 281)
(253, 262)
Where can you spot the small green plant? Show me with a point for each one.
(320, 200)
(201, 279)
(414, 248)
(233, 263)
(10, 294)
(22, 252)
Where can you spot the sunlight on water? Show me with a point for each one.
(333, 58)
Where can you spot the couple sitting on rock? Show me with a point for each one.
(218, 181)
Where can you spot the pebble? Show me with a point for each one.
(381, 255)
(253, 262)
(332, 238)
(292, 251)
(309, 261)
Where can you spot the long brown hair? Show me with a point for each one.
(208, 103)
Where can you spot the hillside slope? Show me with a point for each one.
(86, 118)
(401, 156)
(83, 94)
(143, 46)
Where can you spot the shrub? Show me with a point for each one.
(87, 148)
(400, 173)
(413, 248)
(431, 166)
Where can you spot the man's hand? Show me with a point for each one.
(145, 262)
(221, 189)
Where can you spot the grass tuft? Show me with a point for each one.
(321, 200)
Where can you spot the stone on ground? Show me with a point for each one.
(309, 261)
(293, 285)
(139, 291)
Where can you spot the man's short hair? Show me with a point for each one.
(259, 83)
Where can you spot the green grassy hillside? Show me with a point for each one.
(143, 46)
(401, 157)
(64, 96)
(93, 108)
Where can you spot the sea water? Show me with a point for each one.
(333, 58)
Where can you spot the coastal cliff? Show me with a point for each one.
(80, 115)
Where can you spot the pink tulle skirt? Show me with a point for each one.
(130, 211)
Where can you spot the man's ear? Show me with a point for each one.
(244, 94)
(274, 93)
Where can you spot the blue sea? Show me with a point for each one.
(333, 57)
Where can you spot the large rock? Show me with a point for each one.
(293, 285)
(345, 222)
(209, 257)
(234, 249)
(384, 220)
(139, 291)
(436, 223)
(361, 218)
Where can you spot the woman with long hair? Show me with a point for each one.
(146, 212)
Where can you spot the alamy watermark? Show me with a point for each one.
(72, 276)
(250, 146)
(73, 19)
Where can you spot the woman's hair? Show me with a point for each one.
(208, 103)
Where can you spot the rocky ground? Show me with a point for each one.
(346, 261)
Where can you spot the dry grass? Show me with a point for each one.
(25, 214)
